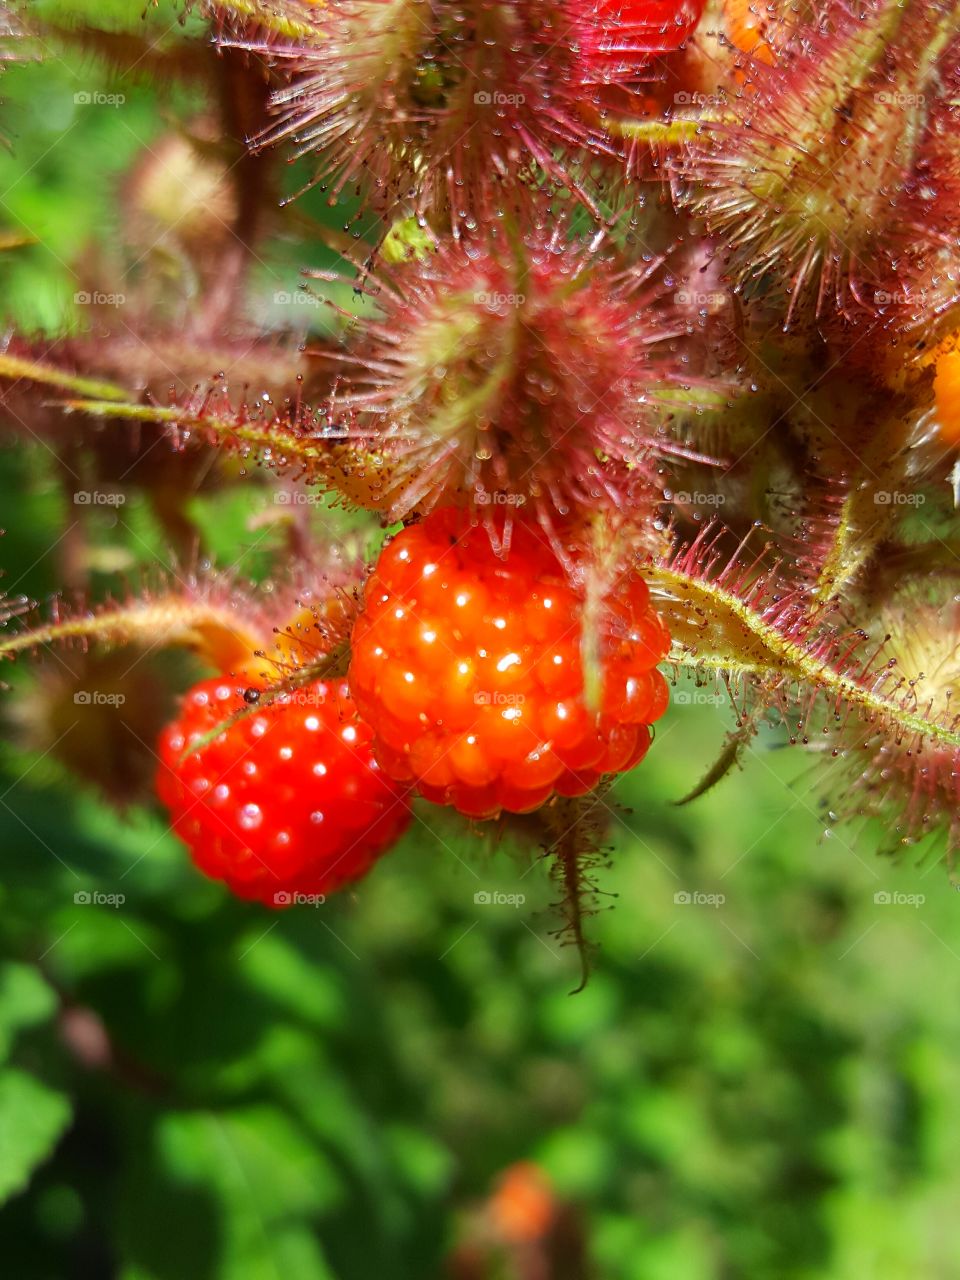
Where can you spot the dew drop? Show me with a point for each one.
(250, 817)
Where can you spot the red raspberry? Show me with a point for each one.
(286, 800)
(619, 37)
(468, 667)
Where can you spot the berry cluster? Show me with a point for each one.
(627, 274)
(469, 668)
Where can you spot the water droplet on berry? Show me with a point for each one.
(250, 817)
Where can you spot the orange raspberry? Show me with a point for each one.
(946, 388)
(745, 21)
(468, 668)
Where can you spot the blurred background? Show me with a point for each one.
(759, 1079)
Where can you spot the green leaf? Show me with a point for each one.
(422, 1162)
(33, 1117)
(25, 1001)
(244, 1186)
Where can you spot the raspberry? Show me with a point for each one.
(468, 667)
(619, 37)
(745, 21)
(286, 800)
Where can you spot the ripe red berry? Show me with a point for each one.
(618, 38)
(468, 667)
(286, 800)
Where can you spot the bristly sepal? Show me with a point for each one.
(575, 839)
(887, 701)
(910, 779)
(533, 372)
(454, 111)
(811, 166)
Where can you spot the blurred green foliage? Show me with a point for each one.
(758, 1082)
